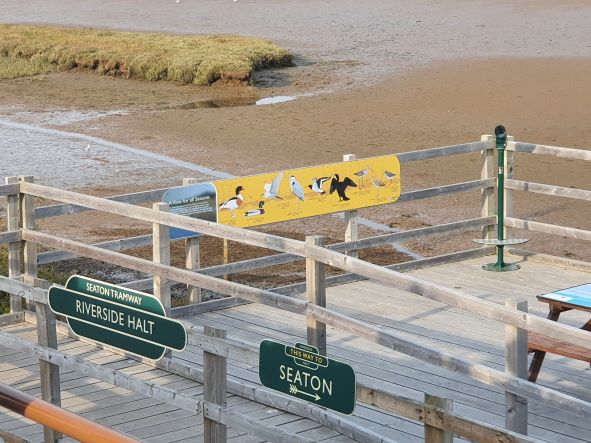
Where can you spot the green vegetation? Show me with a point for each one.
(47, 272)
(202, 60)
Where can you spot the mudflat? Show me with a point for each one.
(369, 82)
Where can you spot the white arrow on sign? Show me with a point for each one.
(294, 390)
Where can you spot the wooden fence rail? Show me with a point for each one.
(388, 401)
(369, 332)
(410, 283)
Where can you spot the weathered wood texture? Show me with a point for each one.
(368, 242)
(351, 217)
(10, 237)
(372, 333)
(556, 191)
(9, 187)
(568, 263)
(112, 245)
(439, 191)
(193, 263)
(534, 226)
(150, 389)
(316, 294)
(134, 199)
(434, 434)
(425, 154)
(215, 384)
(12, 318)
(248, 353)
(516, 365)
(532, 148)
(487, 195)
(49, 373)
(161, 255)
(13, 223)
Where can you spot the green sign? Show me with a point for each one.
(300, 371)
(132, 321)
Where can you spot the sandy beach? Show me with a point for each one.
(387, 78)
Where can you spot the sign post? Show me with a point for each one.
(132, 321)
(300, 371)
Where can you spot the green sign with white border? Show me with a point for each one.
(130, 320)
(300, 371)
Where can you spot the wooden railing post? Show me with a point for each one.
(214, 387)
(516, 366)
(192, 257)
(49, 373)
(509, 167)
(351, 217)
(435, 434)
(487, 195)
(161, 254)
(13, 223)
(316, 293)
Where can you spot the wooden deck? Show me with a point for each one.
(411, 316)
(136, 415)
(429, 322)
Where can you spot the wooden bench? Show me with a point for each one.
(540, 345)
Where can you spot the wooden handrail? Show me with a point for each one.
(370, 332)
(556, 151)
(57, 418)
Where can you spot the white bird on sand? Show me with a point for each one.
(317, 183)
(389, 175)
(233, 203)
(87, 148)
(296, 188)
(361, 174)
(272, 189)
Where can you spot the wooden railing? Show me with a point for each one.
(291, 250)
(545, 189)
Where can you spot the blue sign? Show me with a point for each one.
(577, 295)
(196, 201)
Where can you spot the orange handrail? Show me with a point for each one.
(57, 418)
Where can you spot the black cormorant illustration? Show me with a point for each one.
(341, 186)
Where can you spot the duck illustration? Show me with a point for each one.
(296, 189)
(317, 183)
(272, 189)
(361, 174)
(341, 186)
(255, 212)
(389, 176)
(233, 203)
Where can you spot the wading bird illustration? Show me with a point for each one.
(361, 174)
(317, 183)
(296, 189)
(233, 203)
(255, 212)
(272, 189)
(341, 186)
(389, 176)
(378, 184)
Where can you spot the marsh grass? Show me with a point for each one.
(201, 60)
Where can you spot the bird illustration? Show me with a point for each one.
(378, 184)
(389, 175)
(255, 212)
(272, 189)
(296, 189)
(341, 186)
(317, 183)
(233, 203)
(361, 174)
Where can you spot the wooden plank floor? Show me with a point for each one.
(431, 323)
(143, 418)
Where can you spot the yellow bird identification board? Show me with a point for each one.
(306, 192)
